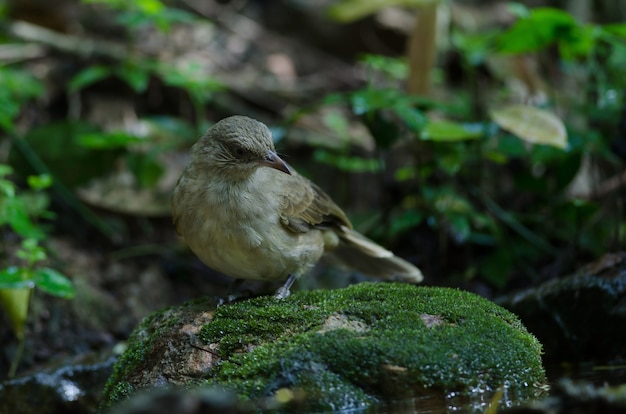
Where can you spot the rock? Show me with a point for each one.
(328, 350)
(580, 317)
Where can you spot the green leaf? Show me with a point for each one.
(39, 182)
(451, 162)
(136, 77)
(396, 68)
(146, 169)
(476, 47)
(542, 27)
(19, 84)
(55, 144)
(14, 213)
(337, 122)
(413, 117)
(405, 221)
(616, 29)
(460, 227)
(31, 251)
(347, 163)
(16, 88)
(36, 204)
(192, 78)
(5, 170)
(445, 130)
(14, 277)
(7, 189)
(88, 76)
(54, 283)
(107, 140)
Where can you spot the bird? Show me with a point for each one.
(249, 215)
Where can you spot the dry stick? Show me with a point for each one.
(76, 45)
(421, 50)
(11, 53)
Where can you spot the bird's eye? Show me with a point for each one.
(239, 151)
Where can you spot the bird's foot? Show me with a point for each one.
(283, 292)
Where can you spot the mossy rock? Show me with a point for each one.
(580, 317)
(334, 349)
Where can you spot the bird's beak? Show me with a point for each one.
(274, 161)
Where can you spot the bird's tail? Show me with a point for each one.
(367, 257)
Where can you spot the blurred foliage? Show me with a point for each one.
(20, 212)
(76, 151)
(16, 88)
(138, 13)
(487, 175)
(499, 188)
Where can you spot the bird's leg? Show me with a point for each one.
(283, 291)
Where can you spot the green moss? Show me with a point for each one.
(470, 343)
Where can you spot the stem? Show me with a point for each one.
(17, 357)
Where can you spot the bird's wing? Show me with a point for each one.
(306, 206)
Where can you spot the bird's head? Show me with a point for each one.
(237, 145)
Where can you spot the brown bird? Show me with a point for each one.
(247, 214)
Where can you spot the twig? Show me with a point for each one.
(10, 53)
(76, 45)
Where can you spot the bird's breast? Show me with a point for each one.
(238, 230)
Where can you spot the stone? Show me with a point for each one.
(341, 349)
(580, 317)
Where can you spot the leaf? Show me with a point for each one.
(55, 145)
(39, 182)
(191, 77)
(337, 122)
(16, 87)
(20, 84)
(460, 227)
(347, 163)
(5, 170)
(406, 220)
(531, 124)
(137, 78)
(413, 117)
(542, 27)
(617, 29)
(54, 283)
(396, 68)
(15, 303)
(106, 140)
(14, 277)
(146, 169)
(14, 213)
(31, 251)
(88, 76)
(445, 130)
